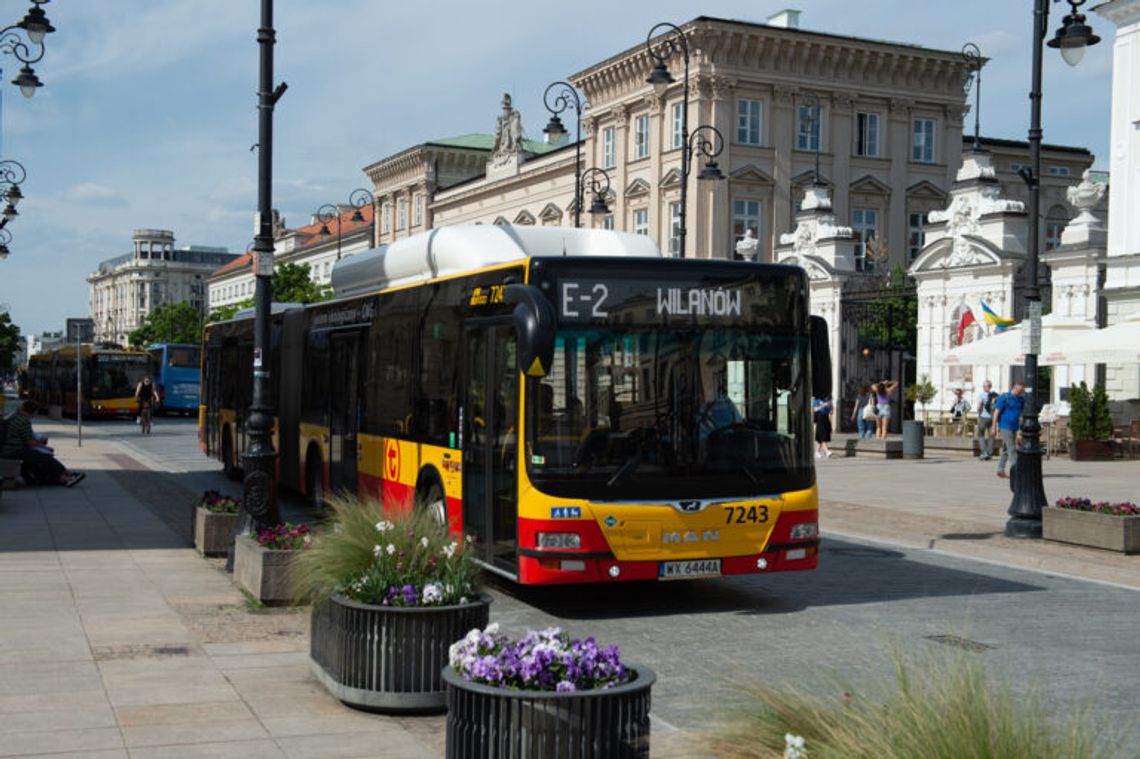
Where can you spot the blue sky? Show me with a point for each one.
(149, 107)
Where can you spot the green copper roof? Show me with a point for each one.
(480, 141)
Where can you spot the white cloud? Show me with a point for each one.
(93, 194)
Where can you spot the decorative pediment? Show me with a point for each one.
(869, 185)
(957, 252)
(817, 269)
(501, 221)
(750, 173)
(671, 179)
(550, 212)
(925, 190)
(524, 217)
(636, 188)
(805, 178)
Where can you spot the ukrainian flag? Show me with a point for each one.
(999, 322)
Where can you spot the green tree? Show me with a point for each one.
(9, 341)
(292, 283)
(922, 393)
(225, 313)
(893, 320)
(171, 323)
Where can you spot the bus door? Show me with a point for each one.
(490, 418)
(344, 405)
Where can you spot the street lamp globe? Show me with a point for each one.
(35, 24)
(710, 171)
(660, 78)
(13, 196)
(1074, 36)
(27, 81)
(554, 130)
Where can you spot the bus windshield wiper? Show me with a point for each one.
(625, 469)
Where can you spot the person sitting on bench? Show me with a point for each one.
(40, 466)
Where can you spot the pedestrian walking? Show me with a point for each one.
(821, 411)
(864, 414)
(959, 408)
(883, 391)
(984, 405)
(1007, 417)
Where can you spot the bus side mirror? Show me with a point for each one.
(820, 358)
(534, 324)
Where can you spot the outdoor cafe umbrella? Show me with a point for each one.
(1060, 336)
(1118, 344)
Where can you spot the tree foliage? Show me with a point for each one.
(9, 341)
(169, 323)
(292, 283)
(1089, 417)
(893, 319)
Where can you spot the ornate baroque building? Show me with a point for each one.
(126, 288)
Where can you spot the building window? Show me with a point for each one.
(865, 226)
(641, 221)
(1017, 167)
(1058, 171)
(745, 216)
(401, 214)
(678, 124)
(916, 235)
(386, 218)
(608, 221)
(1053, 230)
(807, 129)
(748, 114)
(868, 135)
(641, 136)
(922, 149)
(609, 148)
(674, 228)
(418, 210)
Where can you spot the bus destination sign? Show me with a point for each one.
(588, 300)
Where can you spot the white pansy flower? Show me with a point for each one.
(433, 593)
(794, 747)
(491, 629)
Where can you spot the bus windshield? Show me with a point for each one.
(183, 357)
(651, 414)
(117, 376)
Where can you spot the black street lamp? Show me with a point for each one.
(815, 129)
(260, 493)
(35, 25)
(5, 238)
(709, 142)
(1028, 488)
(358, 198)
(600, 188)
(12, 174)
(565, 96)
(973, 56)
(673, 41)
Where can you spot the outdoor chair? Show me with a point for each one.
(1127, 438)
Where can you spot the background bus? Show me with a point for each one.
(588, 410)
(177, 369)
(109, 379)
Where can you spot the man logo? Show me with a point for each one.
(689, 506)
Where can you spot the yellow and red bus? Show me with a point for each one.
(587, 409)
(109, 378)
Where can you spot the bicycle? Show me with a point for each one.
(144, 417)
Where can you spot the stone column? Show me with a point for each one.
(783, 143)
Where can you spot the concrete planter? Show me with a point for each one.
(594, 724)
(261, 572)
(213, 532)
(1088, 528)
(385, 658)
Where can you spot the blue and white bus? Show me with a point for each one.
(177, 375)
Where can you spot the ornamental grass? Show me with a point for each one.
(939, 708)
(385, 557)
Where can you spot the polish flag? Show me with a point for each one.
(966, 321)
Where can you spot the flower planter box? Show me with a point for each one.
(213, 532)
(388, 658)
(487, 721)
(1091, 450)
(262, 572)
(1088, 528)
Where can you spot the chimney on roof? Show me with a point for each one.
(789, 18)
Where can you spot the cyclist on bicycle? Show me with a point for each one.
(145, 395)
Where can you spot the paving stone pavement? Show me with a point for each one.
(117, 640)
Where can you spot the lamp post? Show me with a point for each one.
(815, 129)
(600, 188)
(674, 40)
(973, 56)
(1028, 489)
(260, 495)
(358, 198)
(565, 96)
(35, 25)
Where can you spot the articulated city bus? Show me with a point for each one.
(585, 408)
(177, 369)
(108, 382)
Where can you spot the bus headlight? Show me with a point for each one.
(805, 531)
(558, 540)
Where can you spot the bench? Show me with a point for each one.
(9, 470)
(888, 448)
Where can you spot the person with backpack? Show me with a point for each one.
(985, 408)
(1007, 418)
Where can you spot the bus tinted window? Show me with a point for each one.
(183, 358)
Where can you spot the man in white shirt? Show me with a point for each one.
(984, 405)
